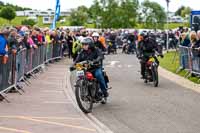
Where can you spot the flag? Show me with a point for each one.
(57, 14)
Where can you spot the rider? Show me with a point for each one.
(131, 38)
(97, 43)
(112, 39)
(91, 53)
(147, 47)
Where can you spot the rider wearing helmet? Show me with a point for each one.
(147, 47)
(91, 53)
(97, 43)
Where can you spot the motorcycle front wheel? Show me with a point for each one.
(155, 75)
(83, 98)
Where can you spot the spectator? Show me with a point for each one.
(4, 45)
(70, 43)
(31, 42)
(185, 41)
(12, 41)
(193, 39)
(34, 37)
(198, 41)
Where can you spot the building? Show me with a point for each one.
(29, 13)
(176, 19)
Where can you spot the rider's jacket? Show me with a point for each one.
(92, 54)
(147, 46)
(99, 45)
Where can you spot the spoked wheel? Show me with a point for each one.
(155, 76)
(83, 99)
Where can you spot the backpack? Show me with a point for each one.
(3, 44)
(149, 45)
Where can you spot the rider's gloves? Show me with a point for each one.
(162, 56)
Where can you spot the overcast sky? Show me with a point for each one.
(68, 4)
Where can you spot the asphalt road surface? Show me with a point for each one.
(136, 107)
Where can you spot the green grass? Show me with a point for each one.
(171, 63)
(18, 20)
(176, 25)
(171, 25)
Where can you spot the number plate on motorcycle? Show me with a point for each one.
(80, 73)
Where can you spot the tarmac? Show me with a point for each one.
(46, 106)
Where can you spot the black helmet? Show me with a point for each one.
(87, 41)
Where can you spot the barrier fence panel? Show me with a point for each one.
(190, 60)
(195, 61)
(24, 62)
(35, 56)
(42, 55)
(185, 58)
(20, 64)
(45, 53)
(57, 51)
(49, 53)
(29, 58)
(6, 73)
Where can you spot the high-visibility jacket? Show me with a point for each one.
(76, 46)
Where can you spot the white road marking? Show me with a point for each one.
(55, 102)
(120, 66)
(129, 66)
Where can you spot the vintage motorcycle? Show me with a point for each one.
(151, 71)
(87, 87)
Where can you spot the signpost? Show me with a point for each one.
(195, 20)
(167, 24)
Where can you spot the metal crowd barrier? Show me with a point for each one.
(189, 60)
(195, 54)
(20, 64)
(24, 63)
(49, 52)
(7, 73)
(185, 58)
(57, 51)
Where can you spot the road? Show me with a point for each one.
(136, 107)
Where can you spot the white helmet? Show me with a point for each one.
(126, 32)
(95, 34)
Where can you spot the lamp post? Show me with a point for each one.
(167, 24)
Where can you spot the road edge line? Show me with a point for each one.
(179, 80)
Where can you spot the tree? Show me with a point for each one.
(183, 11)
(178, 12)
(79, 17)
(95, 12)
(110, 17)
(129, 13)
(1, 3)
(114, 13)
(8, 13)
(186, 11)
(154, 15)
(29, 22)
